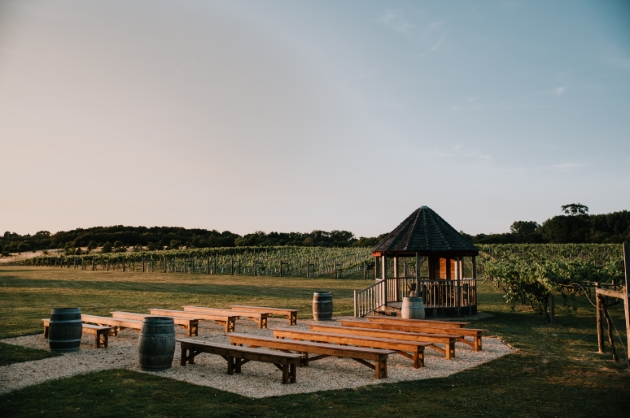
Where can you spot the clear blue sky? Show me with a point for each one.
(302, 115)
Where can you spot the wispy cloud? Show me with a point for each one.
(395, 19)
(559, 90)
(456, 151)
(559, 168)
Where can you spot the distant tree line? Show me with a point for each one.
(574, 226)
(120, 238)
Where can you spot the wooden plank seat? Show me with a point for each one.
(228, 321)
(290, 314)
(191, 325)
(426, 322)
(116, 323)
(413, 326)
(259, 317)
(237, 356)
(100, 333)
(401, 347)
(447, 340)
(359, 354)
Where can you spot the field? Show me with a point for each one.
(555, 372)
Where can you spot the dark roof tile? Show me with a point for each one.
(424, 230)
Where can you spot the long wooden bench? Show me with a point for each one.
(359, 354)
(399, 346)
(290, 314)
(259, 317)
(412, 326)
(100, 333)
(116, 323)
(191, 325)
(228, 321)
(447, 340)
(237, 356)
(425, 322)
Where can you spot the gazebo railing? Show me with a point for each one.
(434, 293)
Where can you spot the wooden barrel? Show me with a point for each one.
(322, 306)
(412, 308)
(64, 333)
(156, 345)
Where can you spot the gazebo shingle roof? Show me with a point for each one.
(424, 231)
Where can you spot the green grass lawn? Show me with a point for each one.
(555, 372)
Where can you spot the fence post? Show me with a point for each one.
(355, 303)
(626, 301)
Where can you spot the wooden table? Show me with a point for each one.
(228, 321)
(401, 347)
(447, 340)
(290, 314)
(412, 326)
(258, 317)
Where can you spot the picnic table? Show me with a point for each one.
(290, 314)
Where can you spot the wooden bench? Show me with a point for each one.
(290, 314)
(116, 323)
(358, 354)
(413, 326)
(237, 356)
(191, 325)
(259, 317)
(447, 340)
(399, 346)
(101, 333)
(228, 321)
(425, 322)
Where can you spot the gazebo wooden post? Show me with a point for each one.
(418, 285)
(396, 276)
(458, 273)
(384, 277)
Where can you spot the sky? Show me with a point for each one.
(301, 115)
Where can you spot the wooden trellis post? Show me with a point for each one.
(626, 302)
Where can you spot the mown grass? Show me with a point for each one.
(555, 372)
(10, 354)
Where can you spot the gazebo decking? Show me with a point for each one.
(444, 272)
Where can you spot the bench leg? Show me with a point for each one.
(418, 358)
(229, 326)
(105, 339)
(46, 331)
(238, 364)
(477, 346)
(285, 374)
(450, 351)
(292, 372)
(380, 368)
(293, 319)
(230, 361)
(182, 362)
(196, 329)
(263, 323)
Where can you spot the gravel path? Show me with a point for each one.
(258, 380)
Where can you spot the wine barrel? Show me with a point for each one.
(412, 308)
(322, 306)
(156, 345)
(65, 329)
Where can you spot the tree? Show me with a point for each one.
(574, 209)
(524, 228)
(91, 245)
(107, 247)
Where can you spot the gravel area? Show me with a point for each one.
(258, 380)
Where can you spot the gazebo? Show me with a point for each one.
(443, 269)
